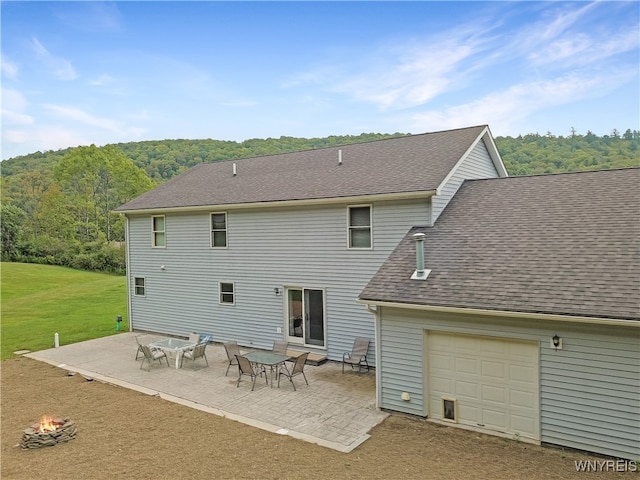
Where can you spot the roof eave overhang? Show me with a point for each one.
(285, 203)
(504, 313)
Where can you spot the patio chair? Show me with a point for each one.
(298, 369)
(140, 344)
(195, 353)
(150, 356)
(233, 351)
(245, 367)
(358, 354)
(280, 346)
(194, 337)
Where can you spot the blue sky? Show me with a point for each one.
(80, 73)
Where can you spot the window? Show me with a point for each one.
(360, 227)
(158, 230)
(138, 287)
(227, 293)
(219, 230)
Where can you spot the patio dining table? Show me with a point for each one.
(267, 358)
(174, 346)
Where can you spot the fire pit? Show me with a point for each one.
(48, 433)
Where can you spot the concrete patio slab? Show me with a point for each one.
(334, 410)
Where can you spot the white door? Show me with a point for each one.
(486, 382)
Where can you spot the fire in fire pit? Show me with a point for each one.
(48, 432)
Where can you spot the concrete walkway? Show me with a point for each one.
(334, 410)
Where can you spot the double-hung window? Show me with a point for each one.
(360, 226)
(138, 287)
(158, 231)
(227, 293)
(219, 230)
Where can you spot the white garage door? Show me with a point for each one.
(490, 382)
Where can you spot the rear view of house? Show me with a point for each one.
(279, 247)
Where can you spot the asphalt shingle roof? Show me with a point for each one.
(405, 164)
(566, 244)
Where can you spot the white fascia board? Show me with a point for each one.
(504, 313)
(493, 153)
(487, 136)
(287, 203)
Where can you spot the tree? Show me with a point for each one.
(11, 228)
(95, 181)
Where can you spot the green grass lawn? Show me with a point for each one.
(39, 300)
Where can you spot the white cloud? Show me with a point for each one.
(48, 137)
(78, 115)
(585, 48)
(102, 80)
(9, 69)
(404, 74)
(506, 109)
(13, 104)
(60, 67)
(566, 17)
(119, 130)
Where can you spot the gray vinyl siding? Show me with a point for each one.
(267, 248)
(589, 390)
(478, 164)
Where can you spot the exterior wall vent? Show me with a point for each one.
(421, 273)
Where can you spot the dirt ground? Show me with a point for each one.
(123, 434)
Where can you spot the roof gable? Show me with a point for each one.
(415, 163)
(565, 244)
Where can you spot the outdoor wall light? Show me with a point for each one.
(162, 267)
(556, 342)
(277, 291)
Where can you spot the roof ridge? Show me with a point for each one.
(344, 145)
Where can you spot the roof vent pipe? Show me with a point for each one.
(421, 273)
(234, 170)
(339, 157)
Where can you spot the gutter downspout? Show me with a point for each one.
(376, 342)
(127, 269)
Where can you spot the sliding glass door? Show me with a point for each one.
(305, 314)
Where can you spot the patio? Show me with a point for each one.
(335, 411)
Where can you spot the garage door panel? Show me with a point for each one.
(467, 413)
(466, 366)
(496, 419)
(522, 399)
(522, 424)
(493, 347)
(523, 373)
(442, 361)
(441, 384)
(494, 381)
(494, 394)
(493, 370)
(467, 390)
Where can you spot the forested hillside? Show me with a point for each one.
(56, 205)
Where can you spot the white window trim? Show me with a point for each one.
(370, 247)
(153, 231)
(226, 230)
(226, 293)
(135, 287)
